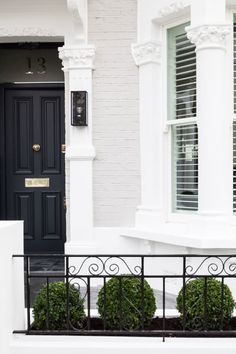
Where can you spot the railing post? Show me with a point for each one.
(184, 292)
(12, 282)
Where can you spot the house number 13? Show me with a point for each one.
(41, 66)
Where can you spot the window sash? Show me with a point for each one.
(234, 118)
(182, 100)
(234, 165)
(185, 167)
(182, 120)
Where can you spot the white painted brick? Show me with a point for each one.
(112, 28)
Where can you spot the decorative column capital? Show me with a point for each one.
(77, 57)
(146, 53)
(208, 36)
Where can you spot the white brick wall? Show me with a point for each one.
(112, 28)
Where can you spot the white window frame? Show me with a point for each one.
(174, 123)
(231, 13)
(180, 215)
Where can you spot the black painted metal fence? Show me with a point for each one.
(166, 274)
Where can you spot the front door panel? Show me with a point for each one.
(35, 166)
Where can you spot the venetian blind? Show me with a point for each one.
(182, 105)
(185, 61)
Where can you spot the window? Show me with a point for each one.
(234, 123)
(182, 119)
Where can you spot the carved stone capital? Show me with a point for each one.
(146, 53)
(208, 36)
(77, 57)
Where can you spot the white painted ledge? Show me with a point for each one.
(129, 345)
(9, 223)
(198, 235)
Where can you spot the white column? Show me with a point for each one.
(214, 123)
(147, 56)
(12, 312)
(80, 152)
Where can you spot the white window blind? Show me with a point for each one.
(182, 117)
(185, 161)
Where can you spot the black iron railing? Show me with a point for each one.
(166, 274)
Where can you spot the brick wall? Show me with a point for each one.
(112, 28)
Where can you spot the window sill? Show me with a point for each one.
(207, 234)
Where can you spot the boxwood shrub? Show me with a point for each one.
(194, 304)
(57, 316)
(121, 303)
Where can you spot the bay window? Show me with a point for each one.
(188, 183)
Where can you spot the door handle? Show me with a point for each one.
(36, 147)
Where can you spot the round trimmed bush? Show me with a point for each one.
(194, 304)
(57, 316)
(120, 305)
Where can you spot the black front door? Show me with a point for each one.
(35, 166)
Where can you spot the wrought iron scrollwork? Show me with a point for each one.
(97, 266)
(211, 265)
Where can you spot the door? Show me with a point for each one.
(35, 166)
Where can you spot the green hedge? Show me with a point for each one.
(58, 307)
(120, 306)
(194, 304)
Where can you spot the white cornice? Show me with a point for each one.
(27, 32)
(146, 53)
(171, 9)
(170, 12)
(208, 36)
(77, 57)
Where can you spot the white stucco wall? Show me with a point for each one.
(112, 29)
